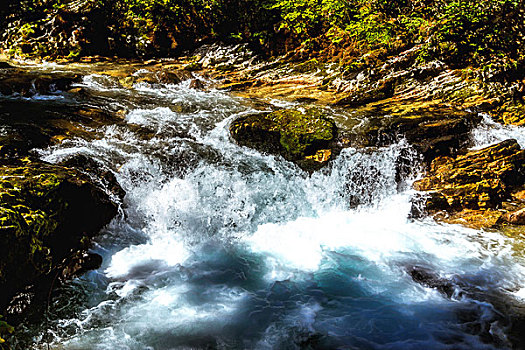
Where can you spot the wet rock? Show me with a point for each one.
(99, 174)
(433, 130)
(382, 91)
(197, 84)
(47, 212)
(21, 301)
(28, 84)
(174, 77)
(472, 186)
(430, 279)
(80, 264)
(152, 77)
(305, 138)
(28, 124)
(237, 86)
(516, 218)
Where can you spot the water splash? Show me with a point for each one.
(225, 247)
(490, 132)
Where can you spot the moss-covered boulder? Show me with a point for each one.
(47, 214)
(474, 188)
(305, 138)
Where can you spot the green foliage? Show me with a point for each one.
(5, 329)
(464, 32)
(479, 31)
(311, 17)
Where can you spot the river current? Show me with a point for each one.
(221, 247)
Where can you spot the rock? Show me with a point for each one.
(430, 279)
(384, 90)
(21, 301)
(305, 138)
(471, 186)
(152, 78)
(99, 174)
(516, 218)
(173, 77)
(237, 86)
(80, 264)
(28, 84)
(197, 84)
(432, 129)
(47, 213)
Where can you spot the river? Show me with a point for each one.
(221, 247)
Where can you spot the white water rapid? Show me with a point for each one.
(221, 247)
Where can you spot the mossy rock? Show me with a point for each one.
(305, 138)
(46, 212)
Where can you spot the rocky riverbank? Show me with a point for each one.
(50, 213)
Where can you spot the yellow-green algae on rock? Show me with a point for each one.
(474, 188)
(297, 136)
(46, 211)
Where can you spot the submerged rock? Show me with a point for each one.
(47, 213)
(472, 186)
(305, 138)
(430, 279)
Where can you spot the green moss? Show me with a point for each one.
(299, 131)
(30, 210)
(292, 133)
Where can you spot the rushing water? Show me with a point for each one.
(220, 246)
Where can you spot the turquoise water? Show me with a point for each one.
(221, 247)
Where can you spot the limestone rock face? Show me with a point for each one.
(47, 212)
(473, 185)
(305, 138)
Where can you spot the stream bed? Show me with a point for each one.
(221, 247)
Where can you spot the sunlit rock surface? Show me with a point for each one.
(472, 186)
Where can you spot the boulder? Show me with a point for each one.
(432, 129)
(471, 187)
(47, 214)
(305, 138)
